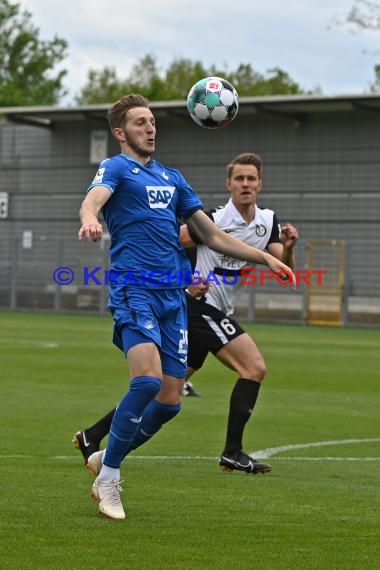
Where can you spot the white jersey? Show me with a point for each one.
(223, 269)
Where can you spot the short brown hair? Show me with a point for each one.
(245, 158)
(118, 112)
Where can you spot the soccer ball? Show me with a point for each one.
(213, 102)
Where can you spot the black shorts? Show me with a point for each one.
(209, 330)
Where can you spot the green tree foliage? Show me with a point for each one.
(103, 86)
(26, 62)
(249, 82)
(181, 75)
(364, 15)
(375, 86)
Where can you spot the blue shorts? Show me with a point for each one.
(152, 315)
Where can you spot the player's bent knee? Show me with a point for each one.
(257, 371)
(149, 384)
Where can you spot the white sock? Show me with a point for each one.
(108, 474)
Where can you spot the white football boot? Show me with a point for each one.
(108, 497)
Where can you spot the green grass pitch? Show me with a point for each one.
(317, 417)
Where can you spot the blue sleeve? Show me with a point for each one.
(108, 175)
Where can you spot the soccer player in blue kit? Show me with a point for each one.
(141, 201)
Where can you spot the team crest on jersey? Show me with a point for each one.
(260, 230)
(160, 196)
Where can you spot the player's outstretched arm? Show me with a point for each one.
(91, 228)
(225, 243)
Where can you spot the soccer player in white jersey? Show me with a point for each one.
(141, 201)
(211, 329)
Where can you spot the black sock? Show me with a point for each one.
(99, 430)
(242, 402)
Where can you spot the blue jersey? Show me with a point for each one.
(142, 217)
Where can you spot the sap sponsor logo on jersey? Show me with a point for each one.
(160, 196)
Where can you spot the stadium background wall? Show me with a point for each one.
(321, 173)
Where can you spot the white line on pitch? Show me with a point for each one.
(262, 454)
(327, 458)
(28, 343)
(270, 451)
(194, 457)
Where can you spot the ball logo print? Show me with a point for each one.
(213, 85)
(213, 102)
